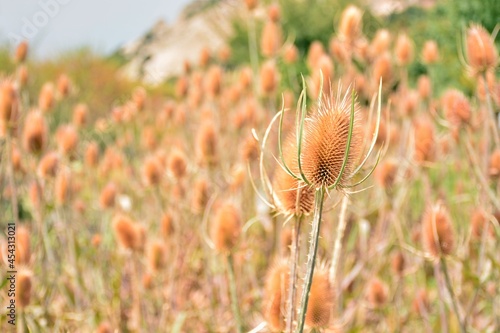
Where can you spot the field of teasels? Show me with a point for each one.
(253, 198)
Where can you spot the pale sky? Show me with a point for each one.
(53, 26)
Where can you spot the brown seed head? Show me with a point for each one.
(271, 39)
(377, 292)
(495, 164)
(268, 77)
(251, 4)
(213, 83)
(385, 173)
(226, 228)
(108, 196)
(456, 106)
(437, 231)
(63, 85)
(80, 114)
(404, 50)
(206, 144)
(8, 103)
(104, 327)
(205, 56)
(424, 140)
(321, 301)
(21, 52)
(22, 75)
(46, 97)
(381, 42)
(350, 27)
(291, 54)
(62, 185)
(382, 68)
(48, 165)
(156, 256)
(482, 54)
(398, 263)
(224, 54)
(181, 87)
(316, 50)
(92, 154)
(430, 53)
(166, 225)
(152, 171)
(200, 195)
(275, 295)
(67, 139)
(126, 231)
(35, 132)
(177, 163)
(424, 86)
(23, 247)
(139, 96)
(325, 139)
(23, 288)
(249, 149)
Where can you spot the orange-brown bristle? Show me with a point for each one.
(321, 300)
(325, 139)
(275, 295)
(437, 231)
(226, 228)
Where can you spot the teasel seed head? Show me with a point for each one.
(226, 228)
(249, 149)
(482, 54)
(424, 87)
(404, 50)
(425, 144)
(156, 256)
(152, 171)
(275, 295)
(437, 231)
(22, 76)
(382, 69)
(24, 283)
(23, 250)
(62, 184)
(21, 52)
(46, 97)
(127, 232)
(166, 225)
(200, 195)
(213, 82)
(430, 53)
(456, 106)
(326, 134)
(177, 163)
(92, 155)
(350, 28)
(385, 174)
(251, 4)
(181, 87)
(48, 165)
(108, 196)
(206, 144)
(316, 50)
(8, 106)
(377, 292)
(268, 77)
(321, 300)
(381, 42)
(35, 132)
(271, 39)
(104, 327)
(398, 263)
(80, 115)
(139, 96)
(67, 139)
(494, 168)
(205, 57)
(291, 54)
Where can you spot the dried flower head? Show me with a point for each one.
(494, 168)
(424, 140)
(316, 50)
(200, 195)
(275, 295)
(80, 114)
(291, 54)
(456, 106)
(35, 132)
(268, 77)
(156, 256)
(23, 288)
(271, 39)
(404, 50)
(377, 292)
(437, 231)
(350, 27)
(166, 225)
(424, 86)
(46, 97)
(482, 55)
(48, 165)
(213, 82)
(108, 195)
(226, 228)
(62, 185)
(152, 171)
(67, 139)
(321, 301)
(326, 136)
(421, 303)
(430, 53)
(21, 52)
(177, 163)
(126, 232)
(206, 144)
(385, 174)
(91, 154)
(8, 105)
(23, 247)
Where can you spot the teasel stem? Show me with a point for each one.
(311, 261)
(442, 310)
(490, 121)
(294, 259)
(234, 296)
(337, 249)
(447, 280)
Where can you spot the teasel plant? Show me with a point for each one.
(328, 145)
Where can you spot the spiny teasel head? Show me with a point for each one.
(92, 154)
(213, 81)
(321, 300)
(382, 68)
(139, 96)
(249, 149)
(421, 304)
(326, 134)
(80, 114)
(21, 52)
(204, 57)
(166, 225)
(275, 295)
(316, 50)
(63, 85)
(408, 103)
(381, 42)
(48, 165)
(251, 4)
(62, 187)
(268, 77)
(385, 174)
(182, 87)
(206, 144)
(67, 139)
(152, 171)
(457, 109)
(8, 106)
(126, 232)
(437, 231)
(482, 54)
(398, 263)
(24, 281)
(351, 24)
(479, 221)
(430, 52)
(200, 195)
(35, 194)
(226, 227)
(494, 168)
(23, 247)
(46, 97)
(177, 163)
(148, 138)
(245, 78)
(104, 327)
(290, 54)
(424, 138)
(424, 87)
(16, 160)
(271, 40)
(404, 50)
(291, 196)
(376, 292)
(35, 132)
(156, 256)
(108, 196)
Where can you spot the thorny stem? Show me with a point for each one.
(447, 280)
(313, 249)
(234, 297)
(337, 248)
(292, 290)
